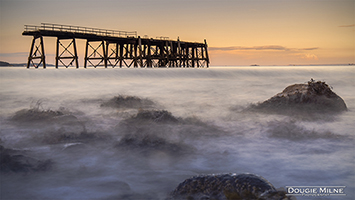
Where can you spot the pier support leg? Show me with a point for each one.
(161, 59)
(149, 56)
(187, 57)
(207, 58)
(37, 49)
(112, 55)
(202, 56)
(66, 54)
(135, 56)
(75, 54)
(57, 54)
(104, 53)
(94, 53)
(31, 51)
(121, 55)
(193, 56)
(179, 53)
(43, 57)
(86, 53)
(140, 52)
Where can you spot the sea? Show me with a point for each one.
(91, 151)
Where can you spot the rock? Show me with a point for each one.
(158, 116)
(35, 115)
(122, 101)
(227, 187)
(150, 143)
(13, 161)
(309, 97)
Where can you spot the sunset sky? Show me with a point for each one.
(238, 32)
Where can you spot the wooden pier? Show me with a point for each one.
(110, 48)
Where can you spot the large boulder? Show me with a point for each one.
(227, 187)
(314, 96)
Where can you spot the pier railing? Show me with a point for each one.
(80, 29)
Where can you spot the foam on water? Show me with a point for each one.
(116, 152)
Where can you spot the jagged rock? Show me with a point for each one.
(35, 115)
(164, 124)
(310, 97)
(122, 101)
(227, 187)
(159, 116)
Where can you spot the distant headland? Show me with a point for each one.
(7, 64)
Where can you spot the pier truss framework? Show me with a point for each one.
(109, 48)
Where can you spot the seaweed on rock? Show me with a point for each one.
(122, 101)
(35, 115)
(38, 113)
(152, 131)
(314, 97)
(227, 187)
(164, 123)
(159, 116)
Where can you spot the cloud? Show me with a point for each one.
(309, 49)
(238, 48)
(309, 56)
(347, 26)
(260, 48)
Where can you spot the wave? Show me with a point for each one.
(62, 136)
(151, 131)
(290, 130)
(150, 144)
(87, 146)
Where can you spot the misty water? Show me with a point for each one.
(105, 152)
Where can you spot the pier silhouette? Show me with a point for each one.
(111, 48)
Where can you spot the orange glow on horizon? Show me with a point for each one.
(237, 32)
